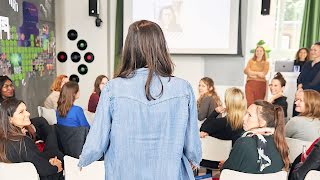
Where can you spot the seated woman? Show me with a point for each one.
(306, 162)
(16, 147)
(208, 98)
(100, 82)
(306, 126)
(230, 126)
(262, 148)
(276, 88)
(67, 113)
(52, 100)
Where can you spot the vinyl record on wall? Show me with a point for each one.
(88, 57)
(82, 69)
(75, 57)
(82, 44)
(62, 56)
(74, 78)
(72, 34)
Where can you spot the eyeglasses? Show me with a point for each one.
(6, 86)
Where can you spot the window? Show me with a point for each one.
(288, 23)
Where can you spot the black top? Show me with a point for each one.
(282, 101)
(27, 151)
(310, 76)
(244, 156)
(219, 128)
(299, 63)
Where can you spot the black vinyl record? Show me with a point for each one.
(82, 69)
(82, 44)
(72, 34)
(74, 78)
(75, 57)
(62, 56)
(88, 57)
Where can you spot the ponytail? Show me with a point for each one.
(279, 136)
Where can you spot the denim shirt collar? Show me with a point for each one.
(143, 70)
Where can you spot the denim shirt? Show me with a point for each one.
(141, 139)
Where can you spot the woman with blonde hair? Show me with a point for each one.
(305, 126)
(52, 99)
(256, 71)
(69, 114)
(230, 126)
(208, 98)
(262, 148)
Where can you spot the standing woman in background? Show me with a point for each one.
(100, 82)
(302, 56)
(52, 99)
(208, 99)
(146, 119)
(256, 71)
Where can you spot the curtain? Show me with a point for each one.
(310, 30)
(118, 34)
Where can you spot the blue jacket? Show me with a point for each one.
(144, 139)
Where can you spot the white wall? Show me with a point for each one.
(73, 14)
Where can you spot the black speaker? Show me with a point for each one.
(93, 8)
(265, 7)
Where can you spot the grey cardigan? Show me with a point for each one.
(303, 128)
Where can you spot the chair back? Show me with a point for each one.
(214, 149)
(312, 175)
(48, 114)
(295, 147)
(227, 174)
(25, 171)
(93, 171)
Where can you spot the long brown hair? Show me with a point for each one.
(311, 100)
(297, 54)
(67, 97)
(264, 57)
(8, 132)
(274, 117)
(145, 46)
(97, 83)
(56, 85)
(211, 92)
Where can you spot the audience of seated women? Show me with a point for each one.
(67, 113)
(262, 148)
(16, 146)
(99, 83)
(52, 100)
(208, 98)
(230, 126)
(276, 88)
(305, 126)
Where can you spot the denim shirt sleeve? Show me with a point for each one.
(98, 138)
(192, 145)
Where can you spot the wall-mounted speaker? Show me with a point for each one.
(93, 8)
(265, 7)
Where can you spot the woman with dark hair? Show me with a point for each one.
(16, 147)
(146, 119)
(276, 88)
(100, 82)
(302, 56)
(262, 148)
(256, 71)
(7, 88)
(67, 113)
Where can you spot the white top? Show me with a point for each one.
(303, 128)
(52, 100)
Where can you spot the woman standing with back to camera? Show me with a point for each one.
(146, 119)
(256, 71)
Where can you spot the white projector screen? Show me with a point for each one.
(190, 26)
